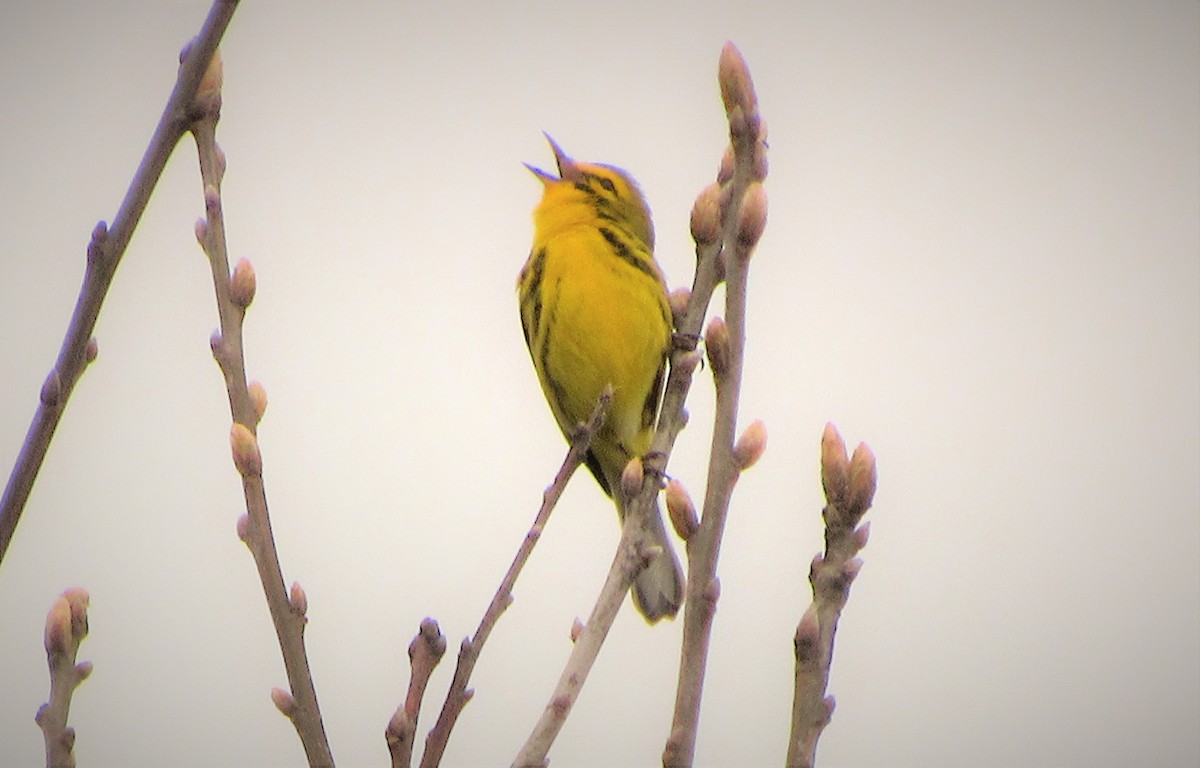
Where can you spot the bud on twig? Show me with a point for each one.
(716, 342)
(430, 642)
(712, 592)
(95, 249)
(258, 399)
(860, 491)
(576, 630)
(631, 477)
(752, 219)
(51, 389)
(243, 284)
(835, 466)
(67, 622)
(57, 636)
(681, 510)
(862, 534)
(243, 528)
(246, 456)
(284, 702)
(678, 300)
(750, 446)
(737, 89)
(706, 216)
(217, 343)
(808, 634)
(298, 599)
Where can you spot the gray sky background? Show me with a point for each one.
(982, 257)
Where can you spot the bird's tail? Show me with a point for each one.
(658, 588)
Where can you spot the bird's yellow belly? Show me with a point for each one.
(605, 331)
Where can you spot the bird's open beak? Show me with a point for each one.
(568, 169)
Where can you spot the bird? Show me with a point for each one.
(595, 312)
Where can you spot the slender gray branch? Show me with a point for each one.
(234, 293)
(458, 695)
(103, 255)
(66, 626)
(741, 204)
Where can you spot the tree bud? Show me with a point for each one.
(298, 599)
(860, 490)
(258, 399)
(679, 299)
(681, 510)
(737, 89)
(631, 477)
(57, 636)
(706, 216)
(283, 701)
(246, 456)
(835, 466)
(243, 284)
(752, 219)
(716, 342)
(750, 446)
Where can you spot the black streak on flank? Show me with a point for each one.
(531, 306)
(625, 254)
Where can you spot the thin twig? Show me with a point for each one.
(246, 403)
(424, 653)
(66, 626)
(630, 558)
(849, 490)
(743, 216)
(103, 255)
(458, 695)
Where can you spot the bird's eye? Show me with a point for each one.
(608, 185)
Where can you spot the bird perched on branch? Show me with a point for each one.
(595, 312)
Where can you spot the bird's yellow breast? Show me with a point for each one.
(605, 325)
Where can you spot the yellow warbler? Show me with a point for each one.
(595, 312)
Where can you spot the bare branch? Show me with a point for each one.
(234, 294)
(741, 203)
(632, 555)
(458, 695)
(103, 255)
(849, 489)
(424, 653)
(66, 626)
